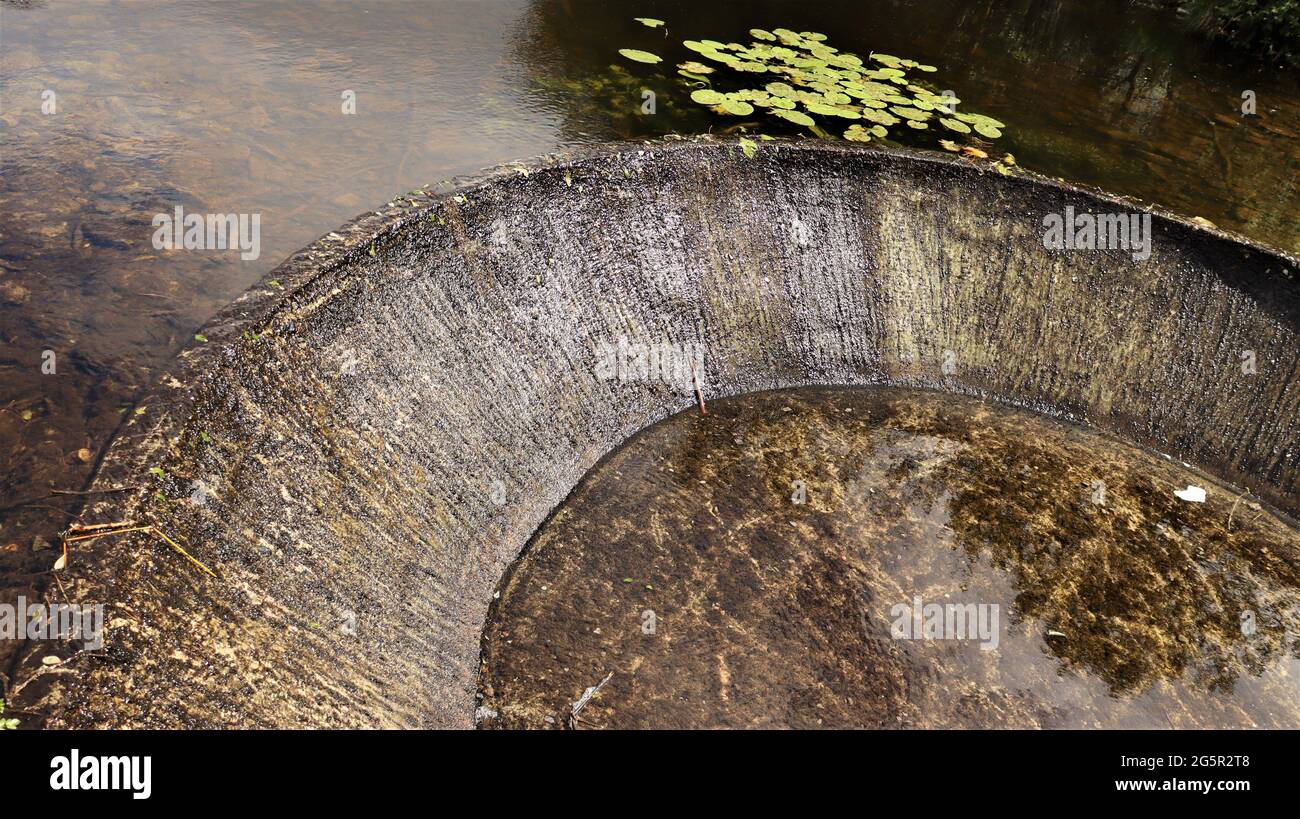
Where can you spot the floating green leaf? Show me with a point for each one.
(796, 117)
(911, 114)
(856, 133)
(811, 78)
(736, 107)
(649, 21)
(705, 96)
(640, 56)
(825, 110)
(879, 117)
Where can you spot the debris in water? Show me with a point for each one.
(1192, 494)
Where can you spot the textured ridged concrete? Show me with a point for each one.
(363, 492)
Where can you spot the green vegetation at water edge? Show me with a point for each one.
(786, 78)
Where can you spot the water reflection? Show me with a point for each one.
(773, 539)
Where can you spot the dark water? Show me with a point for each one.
(236, 107)
(743, 569)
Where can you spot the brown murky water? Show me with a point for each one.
(762, 566)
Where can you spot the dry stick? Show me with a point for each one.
(94, 535)
(90, 527)
(1233, 511)
(699, 396)
(152, 529)
(62, 590)
(586, 698)
(187, 555)
(93, 491)
(63, 563)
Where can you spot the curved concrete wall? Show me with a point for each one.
(374, 433)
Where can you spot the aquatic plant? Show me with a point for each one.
(797, 77)
(640, 56)
(6, 724)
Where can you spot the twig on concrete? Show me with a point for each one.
(93, 491)
(699, 396)
(186, 554)
(586, 698)
(1233, 511)
(91, 527)
(105, 529)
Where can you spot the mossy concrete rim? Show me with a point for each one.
(237, 348)
(261, 302)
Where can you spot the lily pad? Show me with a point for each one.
(879, 117)
(910, 114)
(825, 110)
(796, 117)
(737, 107)
(855, 133)
(640, 56)
(815, 79)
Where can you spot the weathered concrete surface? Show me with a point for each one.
(352, 414)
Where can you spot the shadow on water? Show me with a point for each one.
(236, 108)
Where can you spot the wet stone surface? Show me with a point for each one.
(685, 564)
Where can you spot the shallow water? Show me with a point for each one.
(769, 542)
(236, 107)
